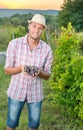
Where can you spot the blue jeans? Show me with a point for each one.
(14, 111)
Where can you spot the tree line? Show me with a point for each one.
(18, 19)
(72, 11)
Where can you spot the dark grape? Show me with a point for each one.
(31, 69)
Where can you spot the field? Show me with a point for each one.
(53, 117)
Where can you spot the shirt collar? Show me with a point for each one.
(25, 39)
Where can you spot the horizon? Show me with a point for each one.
(33, 4)
(27, 9)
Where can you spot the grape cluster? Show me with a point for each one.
(31, 69)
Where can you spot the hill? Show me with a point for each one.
(10, 12)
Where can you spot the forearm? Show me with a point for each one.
(44, 75)
(17, 70)
(13, 70)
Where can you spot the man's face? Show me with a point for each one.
(35, 30)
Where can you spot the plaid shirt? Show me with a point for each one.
(18, 53)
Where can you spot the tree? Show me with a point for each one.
(72, 11)
(18, 32)
(15, 21)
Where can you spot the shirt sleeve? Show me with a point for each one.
(48, 61)
(10, 55)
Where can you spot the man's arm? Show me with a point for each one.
(46, 72)
(13, 70)
(17, 70)
(44, 75)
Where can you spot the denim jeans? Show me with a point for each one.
(14, 110)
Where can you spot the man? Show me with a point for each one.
(24, 55)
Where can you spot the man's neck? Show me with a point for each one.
(32, 42)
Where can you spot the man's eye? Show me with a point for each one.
(40, 28)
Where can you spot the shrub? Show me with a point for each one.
(67, 73)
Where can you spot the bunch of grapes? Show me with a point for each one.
(31, 69)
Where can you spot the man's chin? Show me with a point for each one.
(35, 38)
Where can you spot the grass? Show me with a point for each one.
(53, 117)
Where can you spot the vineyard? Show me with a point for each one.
(63, 93)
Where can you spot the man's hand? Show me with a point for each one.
(24, 71)
(31, 70)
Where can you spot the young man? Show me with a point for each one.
(28, 60)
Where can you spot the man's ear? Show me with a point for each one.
(28, 26)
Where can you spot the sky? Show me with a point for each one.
(31, 4)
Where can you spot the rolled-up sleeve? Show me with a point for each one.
(10, 55)
(48, 61)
